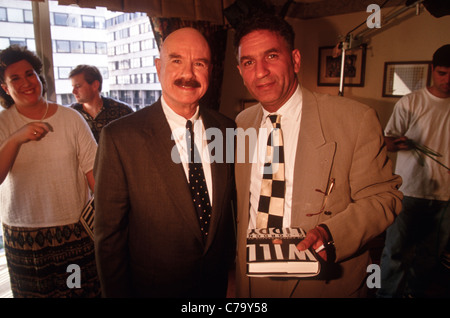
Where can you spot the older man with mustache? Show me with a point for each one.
(151, 240)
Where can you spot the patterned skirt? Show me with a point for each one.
(52, 262)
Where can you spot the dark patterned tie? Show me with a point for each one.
(271, 201)
(197, 182)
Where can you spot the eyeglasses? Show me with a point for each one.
(326, 195)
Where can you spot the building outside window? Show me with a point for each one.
(120, 44)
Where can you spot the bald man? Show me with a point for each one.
(150, 240)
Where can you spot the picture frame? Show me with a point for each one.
(401, 78)
(329, 67)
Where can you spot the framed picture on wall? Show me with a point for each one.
(329, 70)
(401, 78)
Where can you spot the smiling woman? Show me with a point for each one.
(46, 155)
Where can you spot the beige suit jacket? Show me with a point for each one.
(341, 139)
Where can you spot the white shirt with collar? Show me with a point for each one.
(290, 113)
(177, 125)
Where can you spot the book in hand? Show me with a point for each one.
(87, 217)
(268, 259)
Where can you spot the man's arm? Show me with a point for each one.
(395, 144)
(90, 180)
(375, 199)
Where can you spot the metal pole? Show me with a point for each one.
(341, 83)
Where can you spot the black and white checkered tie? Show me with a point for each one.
(197, 182)
(271, 201)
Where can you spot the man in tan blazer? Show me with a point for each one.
(332, 144)
(148, 237)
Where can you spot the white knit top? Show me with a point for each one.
(47, 185)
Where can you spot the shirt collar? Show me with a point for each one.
(291, 110)
(174, 119)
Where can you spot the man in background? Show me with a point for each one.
(97, 110)
(417, 131)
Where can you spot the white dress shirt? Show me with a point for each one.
(177, 124)
(290, 126)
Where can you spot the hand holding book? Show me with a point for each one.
(317, 238)
(273, 252)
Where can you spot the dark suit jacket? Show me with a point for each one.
(147, 236)
(342, 139)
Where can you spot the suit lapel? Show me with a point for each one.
(313, 162)
(246, 166)
(160, 145)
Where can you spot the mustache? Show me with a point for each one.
(188, 83)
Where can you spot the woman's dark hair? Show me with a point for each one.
(14, 54)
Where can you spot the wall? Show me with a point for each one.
(409, 37)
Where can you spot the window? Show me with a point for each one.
(90, 47)
(145, 27)
(87, 21)
(135, 47)
(148, 61)
(74, 21)
(123, 34)
(18, 41)
(31, 44)
(104, 71)
(15, 15)
(134, 30)
(67, 99)
(3, 15)
(63, 72)
(122, 49)
(100, 23)
(61, 19)
(4, 43)
(62, 46)
(111, 50)
(136, 63)
(76, 46)
(101, 48)
(125, 64)
(28, 16)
